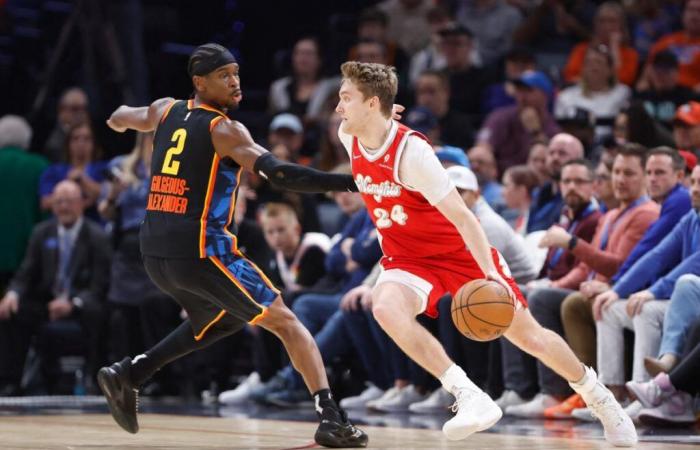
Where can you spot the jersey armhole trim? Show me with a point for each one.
(167, 111)
(214, 122)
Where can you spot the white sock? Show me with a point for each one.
(586, 386)
(455, 378)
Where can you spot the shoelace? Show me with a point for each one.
(606, 407)
(463, 396)
(136, 392)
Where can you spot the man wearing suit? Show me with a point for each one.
(63, 277)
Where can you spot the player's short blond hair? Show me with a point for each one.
(273, 210)
(373, 80)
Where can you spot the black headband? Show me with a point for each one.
(207, 58)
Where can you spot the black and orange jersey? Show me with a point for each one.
(192, 191)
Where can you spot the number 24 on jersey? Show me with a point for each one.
(385, 219)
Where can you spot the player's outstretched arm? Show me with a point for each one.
(456, 211)
(143, 118)
(232, 139)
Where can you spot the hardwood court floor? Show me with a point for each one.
(160, 431)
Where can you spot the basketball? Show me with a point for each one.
(482, 310)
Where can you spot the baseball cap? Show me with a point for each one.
(452, 154)
(463, 178)
(688, 114)
(690, 159)
(421, 119)
(535, 79)
(287, 121)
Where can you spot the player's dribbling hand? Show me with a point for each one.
(499, 279)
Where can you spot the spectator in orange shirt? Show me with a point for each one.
(610, 29)
(685, 45)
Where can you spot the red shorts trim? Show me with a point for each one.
(449, 272)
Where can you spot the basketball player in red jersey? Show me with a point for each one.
(433, 244)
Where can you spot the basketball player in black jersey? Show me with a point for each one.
(189, 252)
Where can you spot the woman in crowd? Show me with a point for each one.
(598, 91)
(82, 166)
(304, 92)
(609, 29)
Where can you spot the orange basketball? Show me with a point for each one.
(482, 310)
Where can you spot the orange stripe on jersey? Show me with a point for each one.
(217, 262)
(259, 317)
(214, 121)
(205, 210)
(167, 111)
(209, 325)
(191, 105)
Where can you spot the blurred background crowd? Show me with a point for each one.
(570, 127)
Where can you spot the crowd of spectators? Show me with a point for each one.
(570, 128)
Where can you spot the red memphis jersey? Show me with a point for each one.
(408, 225)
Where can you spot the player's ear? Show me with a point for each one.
(198, 83)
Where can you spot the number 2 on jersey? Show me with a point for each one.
(385, 220)
(170, 166)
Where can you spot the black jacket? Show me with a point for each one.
(88, 269)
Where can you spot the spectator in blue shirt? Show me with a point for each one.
(665, 172)
(648, 285)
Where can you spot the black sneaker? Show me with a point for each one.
(122, 397)
(335, 430)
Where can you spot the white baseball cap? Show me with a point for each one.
(463, 178)
(288, 121)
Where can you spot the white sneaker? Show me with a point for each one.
(510, 398)
(534, 409)
(618, 427)
(583, 414)
(400, 402)
(673, 411)
(240, 394)
(360, 401)
(388, 394)
(439, 401)
(475, 412)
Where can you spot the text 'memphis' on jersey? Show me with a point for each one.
(192, 191)
(408, 225)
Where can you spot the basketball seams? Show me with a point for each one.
(468, 308)
(464, 303)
